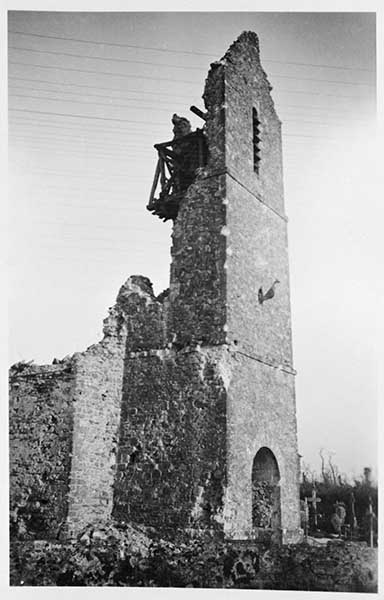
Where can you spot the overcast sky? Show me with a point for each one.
(89, 95)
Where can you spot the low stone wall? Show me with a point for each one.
(115, 556)
(336, 567)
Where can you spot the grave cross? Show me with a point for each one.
(353, 513)
(370, 516)
(306, 516)
(314, 500)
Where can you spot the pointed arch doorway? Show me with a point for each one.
(266, 506)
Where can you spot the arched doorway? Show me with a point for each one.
(266, 512)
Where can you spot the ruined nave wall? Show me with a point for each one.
(41, 410)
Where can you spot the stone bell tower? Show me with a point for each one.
(229, 288)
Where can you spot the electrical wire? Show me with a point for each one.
(122, 60)
(98, 87)
(91, 95)
(176, 51)
(109, 104)
(43, 112)
(125, 75)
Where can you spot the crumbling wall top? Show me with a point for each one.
(135, 284)
(246, 40)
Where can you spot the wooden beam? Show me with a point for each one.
(154, 184)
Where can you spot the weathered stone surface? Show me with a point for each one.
(40, 448)
(110, 556)
(197, 307)
(171, 464)
(260, 413)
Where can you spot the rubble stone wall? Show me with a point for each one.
(135, 322)
(197, 290)
(40, 449)
(171, 463)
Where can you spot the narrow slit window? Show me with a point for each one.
(256, 141)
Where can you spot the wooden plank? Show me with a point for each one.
(162, 172)
(154, 184)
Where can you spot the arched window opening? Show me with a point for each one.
(266, 513)
(256, 141)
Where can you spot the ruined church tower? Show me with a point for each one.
(229, 249)
(183, 416)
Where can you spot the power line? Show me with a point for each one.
(65, 173)
(116, 249)
(42, 112)
(125, 158)
(76, 144)
(354, 96)
(109, 226)
(36, 89)
(98, 87)
(61, 146)
(173, 80)
(98, 118)
(72, 115)
(323, 80)
(123, 60)
(109, 104)
(125, 75)
(21, 122)
(114, 59)
(119, 155)
(346, 114)
(310, 136)
(176, 51)
(77, 138)
(86, 142)
(166, 103)
(131, 128)
(75, 141)
(145, 92)
(116, 193)
(121, 194)
(322, 108)
(133, 107)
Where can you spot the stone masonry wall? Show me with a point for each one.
(247, 87)
(257, 255)
(261, 413)
(171, 465)
(40, 447)
(133, 323)
(197, 312)
(261, 408)
(197, 290)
